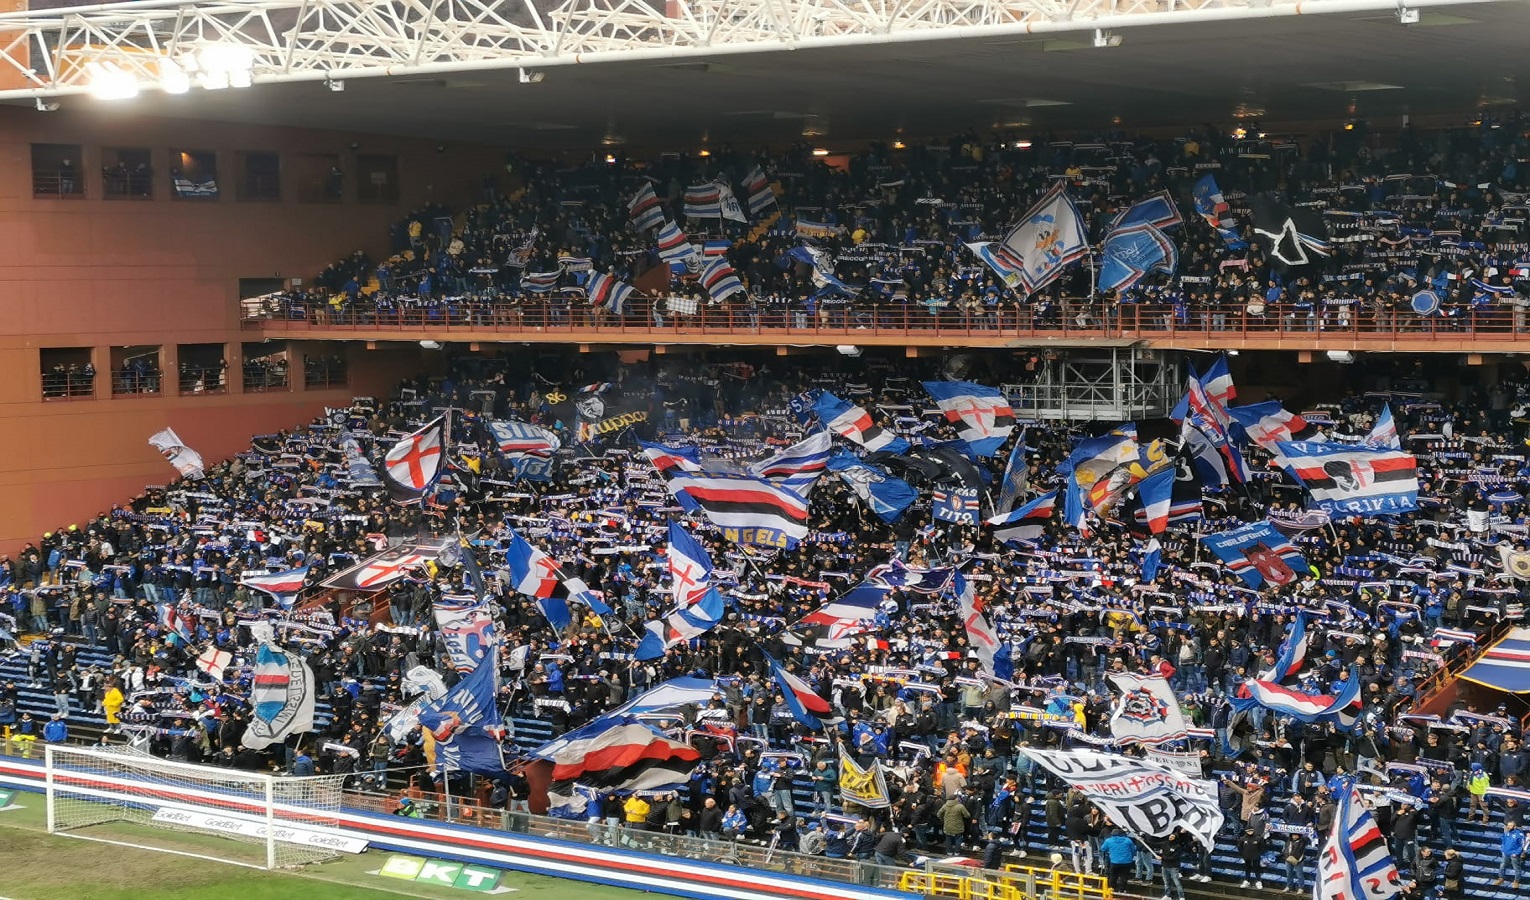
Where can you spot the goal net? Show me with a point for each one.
(122, 795)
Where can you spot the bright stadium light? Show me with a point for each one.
(107, 82)
(1103, 38)
(172, 78)
(1343, 357)
(224, 65)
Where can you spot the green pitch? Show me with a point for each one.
(39, 866)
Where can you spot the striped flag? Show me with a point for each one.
(720, 280)
(1025, 523)
(519, 439)
(608, 293)
(757, 191)
(675, 248)
(1347, 480)
(539, 576)
(703, 201)
(644, 209)
(414, 464)
(689, 566)
(1157, 494)
(835, 624)
(1355, 863)
(175, 624)
(1383, 434)
(284, 586)
(1268, 423)
(749, 510)
(671, 460)
(853, 423)
(541, 282)
(798, 466)
(682, 624)
(982, 414)
(806, 706)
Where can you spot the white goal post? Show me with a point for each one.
(294, 819)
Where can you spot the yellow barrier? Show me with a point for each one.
(1056, 885)
(961, 887)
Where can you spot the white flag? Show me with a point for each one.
(1147, 712)
(186, 460)
(1147, 799)
(730, 206)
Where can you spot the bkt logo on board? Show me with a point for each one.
(441, 872)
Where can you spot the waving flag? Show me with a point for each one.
(690, 568)
(883, 494)
(728, 203)
(899, 574)
(1217, 382)
(284, 586)
(187, 461)
(519, 439)
(644, 209)
(1258, 554)
(1157, 494)
(1347, 480)
(853, 423)
(1213, 453)
(1383, 434)
(1213, 207)
(1129, 254)
(1298, 705)
(466, 626)
(175, 625)
(992, 652)
(413, 465)
(1293, 652)
(1355, 863)
(541, 282)
(380, 570)
(681, 625)
(835, 624)
(720, 280)
(539, 576)
(281, 698)
(1201, 397)
(609, 294)
(798, 466)
(749, 510)
(960, 506)
(472, 703)
(1267, 424)
(1290, 236)
(1147, 712)
(618, 753)
(757, 191)
(983, 414)
(214, 661)
(703, 201)
(1048, 239)
(860, 786)
(670, 460)
(806, 706)
(1157, 210)
(676, 249)
(1102, 468)
(1008, 265)
(1017, 476)
(1026, 523)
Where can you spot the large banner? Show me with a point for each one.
(282, 700)
(377, 572)
(1147, 712)
(467, 628)
(1147, 799)
(863, 787)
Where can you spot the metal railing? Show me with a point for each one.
(130, 185)
(265, 378)
(325, 374)
(1070, 319)
(53, 183)
(68, 386)
(135, 383)
(719, 849)
(1059, 885)
(204, 379)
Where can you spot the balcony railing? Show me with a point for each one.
(68, 386)
(1285, 326)
(264, 378)
(204, 379)
(135, 383)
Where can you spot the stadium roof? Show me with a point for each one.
(1221, 60)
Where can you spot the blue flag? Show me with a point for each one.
(1258, 554)
(1214, 208)
(883, 494)
(1130, 253)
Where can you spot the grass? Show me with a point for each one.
(39, 866)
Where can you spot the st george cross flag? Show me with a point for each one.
(1258, 554)
(1347, 480)
(992, 651)
(1147, 799)
(690, 568)
(644, 209)
(213, 661)
(1025, 523)
(703, 201)
(608, 293)
(466, 626)
(720, 280)
(281, 698)
(757, 191)
(519, 439)
(832, 625)
(1268, 423)
(187, 461)
(798, 466)
(748, 510)
(882, 493)
(806, 706)
(1147, 712)
(960, 506)
(681, 624)
(283, 586)
(538, 575)
(1048, 239)
(1218, 383)
(853, 423)
(1355, 863)
(414, 464)
(982, 414)
(1383, 434)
